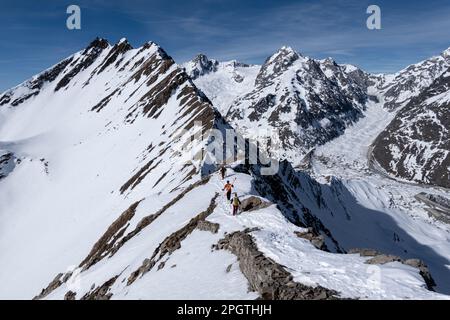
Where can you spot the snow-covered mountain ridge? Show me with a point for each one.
(106, 191)
(90, 136)
(416, 144)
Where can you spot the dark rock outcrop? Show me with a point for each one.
(7, 164)
(54, 284)
(70, 295)
(208, 226)
(267, 277)
(381, 258)
(101, 292)
(201, 65)
(317, 240)
(253, 203)
(88, 57)
(116, 230)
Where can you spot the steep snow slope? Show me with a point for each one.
(185, 266)
(86, 139)
(416, 144)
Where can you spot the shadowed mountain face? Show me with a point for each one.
(416, 144)
(308, 102)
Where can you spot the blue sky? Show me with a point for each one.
(34, 35)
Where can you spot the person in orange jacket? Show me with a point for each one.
(228, 188)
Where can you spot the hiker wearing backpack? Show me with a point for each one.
(236, 204)
(228, 188)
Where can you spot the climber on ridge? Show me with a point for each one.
(228, 188)
(236, 204)
(223, 171)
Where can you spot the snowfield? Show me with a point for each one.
(229, 80)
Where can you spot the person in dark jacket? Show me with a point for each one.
(223, 172)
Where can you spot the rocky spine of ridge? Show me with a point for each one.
(200, 65)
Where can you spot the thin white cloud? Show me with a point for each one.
(313, 28)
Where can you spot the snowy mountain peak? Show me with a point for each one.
(99, 43)
(446, 52)
(398, 89)
(123, 44)
(200, 65)
(110, 139)
(201, 58)
(287, 50)
(328, 60)
(308, 102)
(351, 68)
(276, 64)
(285, 55)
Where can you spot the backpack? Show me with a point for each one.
(236, 202)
